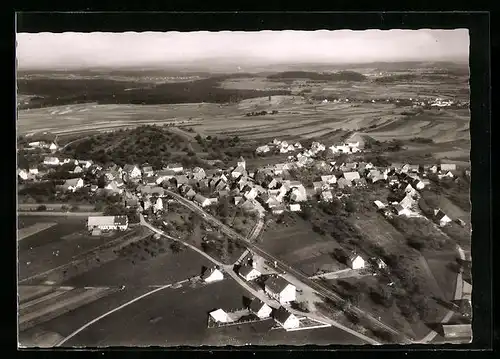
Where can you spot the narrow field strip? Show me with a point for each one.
(33, 229)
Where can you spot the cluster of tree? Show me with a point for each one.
(218, 245)
(40, 192)
(151, 144)
(419, 232)
(57, 92)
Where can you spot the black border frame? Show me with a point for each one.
(478, 24)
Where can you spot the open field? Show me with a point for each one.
(298, 245)
(140, 269)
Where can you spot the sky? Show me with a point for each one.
(59, 51)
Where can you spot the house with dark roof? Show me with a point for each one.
(248, 272)
(286, 319)
(260, 309)
(441, 217)
(280, 290)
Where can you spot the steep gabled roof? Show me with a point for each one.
(276, 284)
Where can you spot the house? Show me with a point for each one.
(407, 201)
(238, 172)
(199, 173)
(132, 171)
(241, 162)
(297, 145)
(220, 316)
(106, 223)
(286, 319)
(85, 163)
(201, 200)
(278, 209)
(330, 179)
(251, 194)
(113, 187)
(212, 275)
(379, 204)
(158, 205)
(176, 167)
(445, 167)
(350, 176)
(248, 273)
(414, 168)
(237, 200)
(23, 174)
(263, 149)
(33, 171)
(280, 290)
(356, 261)
(190, 194)
(251, 205)
(73, 184)
(295, 207)
(77, 169)
(447, 174)
(441, 217)
(93, 188)
(260, 309)
(457, 331)
(327, 196)
(147, 170)
(51, 161)
(299, 194)
(400, 210)
(342, 183)
(181, 180)
(318, 186)
(360, 182)
(213, 200)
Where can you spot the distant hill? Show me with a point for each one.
(316, 76)
(57, 92)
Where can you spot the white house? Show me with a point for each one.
(52, 146)
(107, 223)
(132, 171)
(33, 171)
(23, 174)
(201, 200)
(402, 211)
(263, 149)
(286, 319)
(252, 194)
(299, 194)
(73, 184)
(280, 290)
(261, 309)
(158, 205)
(330, 179)
(238, 172)
(241, 163)
(356, 262)
(249, 273)
(351, 176)
(441, 217)
(327, 196)
(379, 204)
(295, 207)
(51, 161)
(212, 275)
(220, 316)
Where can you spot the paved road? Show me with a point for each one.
(228, 268)
(283, 267)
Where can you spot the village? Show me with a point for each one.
(262, 192)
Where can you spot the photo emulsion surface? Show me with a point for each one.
(243, 188)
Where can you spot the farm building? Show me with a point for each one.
(279, 289)
(220, 316)
(260, 309)
(107, 223)
(441, 217)
(356, 261)
(286, 319)
(249, 273)
(295, 207)
(212, 275)
(457, 331)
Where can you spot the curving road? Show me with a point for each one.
(280, 265)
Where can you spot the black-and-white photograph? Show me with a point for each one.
(243, 188)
